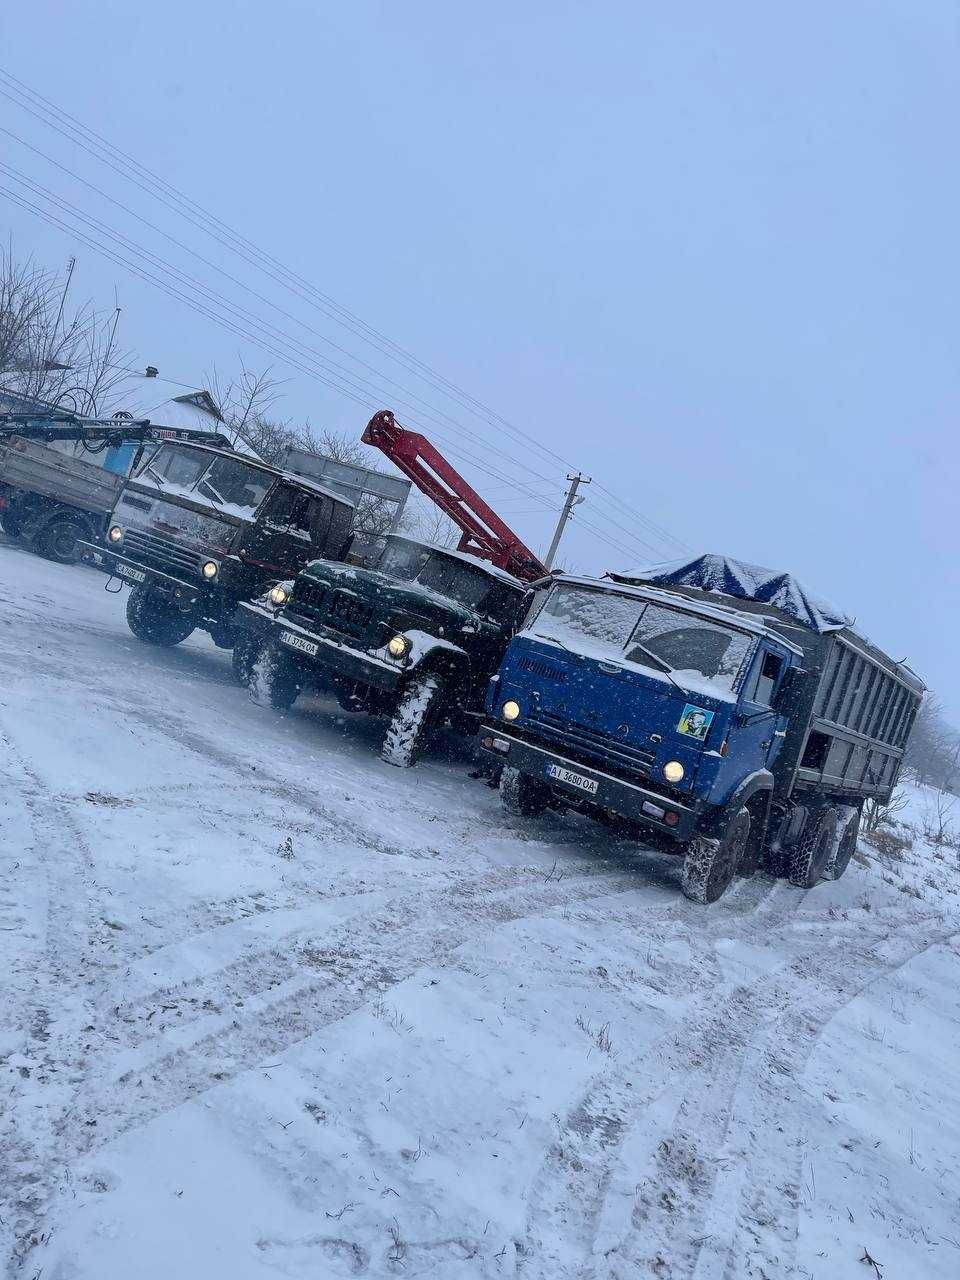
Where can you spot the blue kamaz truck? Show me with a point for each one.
(713, 705)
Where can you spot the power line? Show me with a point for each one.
(184, 206)
(454, 449)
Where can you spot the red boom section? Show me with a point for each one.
(484, 534)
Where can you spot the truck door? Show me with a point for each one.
(757, 735)
(282, 541)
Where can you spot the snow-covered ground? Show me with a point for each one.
(273, 1008)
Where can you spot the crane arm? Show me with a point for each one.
(482, 531)
(104, 431)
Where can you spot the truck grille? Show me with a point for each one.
(340, 610)
(589, 744)
(161, 553)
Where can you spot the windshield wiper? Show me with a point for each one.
(659, 662)
(214, 496)
(155, 476)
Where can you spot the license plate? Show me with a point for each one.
(297, 642)
(572, 779)
(135, 575)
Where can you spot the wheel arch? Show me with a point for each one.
(754, 792)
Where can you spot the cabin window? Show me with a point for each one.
(765, 684)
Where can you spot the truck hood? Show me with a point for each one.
(401, 605)
(193, 530)
(624, 714)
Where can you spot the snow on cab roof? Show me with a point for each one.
(468, 558)
(300, 482)
(720, 612)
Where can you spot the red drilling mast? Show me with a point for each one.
(483, 534)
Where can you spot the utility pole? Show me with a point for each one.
(569, 502)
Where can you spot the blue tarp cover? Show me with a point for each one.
(742, 582)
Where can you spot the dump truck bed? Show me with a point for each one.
(36, 468)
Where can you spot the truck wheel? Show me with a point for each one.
(11, 524)
(224, 637)
(709, 866)
(58, 540)
(845, 842)
(521, 795)
(154, 621)
(245, 653)
(811, 855)
(413, 718)
(275, 680)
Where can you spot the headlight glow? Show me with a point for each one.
(210, 569)
(510, 710)
(673, 771)
(398, 646)
(278, 596)
(115, 534)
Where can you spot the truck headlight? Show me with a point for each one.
(210, 569)
(278, 596)
(115, 534)
(510, 710)
(398, 646)
(673, 771)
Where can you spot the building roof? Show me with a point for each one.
(144, 397)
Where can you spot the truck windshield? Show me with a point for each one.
(223, 481)
(454, 578)
(402, 559)
(181, 468)
(629, 629)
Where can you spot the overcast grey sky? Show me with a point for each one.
(705, 252)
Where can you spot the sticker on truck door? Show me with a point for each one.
(695, 722)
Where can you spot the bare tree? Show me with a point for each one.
(876, 813)
(50, 351)
(244, 400)
(933, 750)
(429, 524)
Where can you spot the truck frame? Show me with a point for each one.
(416, 634)
(771, 771)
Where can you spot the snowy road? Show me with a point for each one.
(273, 1008)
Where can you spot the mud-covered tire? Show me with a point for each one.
(242, 659)
(414, 716)
(710, 865)
(275, 679)
(845, 841)
(57, 540)
(812, 853)
(521, 795)
(154, 621)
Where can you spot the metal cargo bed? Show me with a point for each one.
(35, 468)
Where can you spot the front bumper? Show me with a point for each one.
(137, 574)
(624, 798)
(331, 655)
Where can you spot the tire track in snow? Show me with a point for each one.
(50, 987)
(384, 949)
(703, 1056)
(744, 1225)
